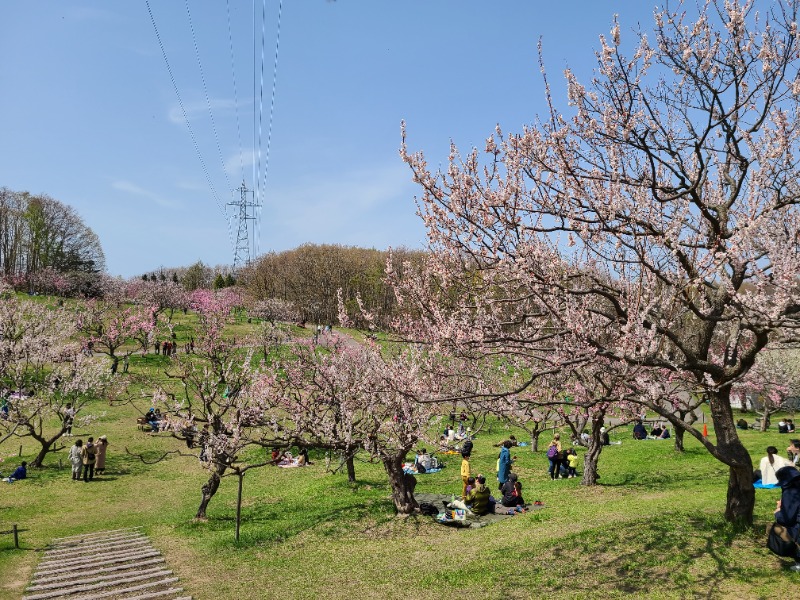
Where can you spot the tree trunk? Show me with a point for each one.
(741, 494)
(46, 446)
(402, 484)
(39, 460)
(239, 506)
(351, 468)
(535, 440)
(592, 456)
(208, 490)
(764, 418)
(679, 433)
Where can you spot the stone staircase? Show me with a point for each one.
(119, 564)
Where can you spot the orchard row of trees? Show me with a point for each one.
(38, 233)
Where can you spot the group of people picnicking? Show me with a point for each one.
(659, 432)
(285, 458)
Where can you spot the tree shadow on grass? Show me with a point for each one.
(678, 555)
(329, 514)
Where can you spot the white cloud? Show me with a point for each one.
(240, 160)
(364, 207)
(199, 110)
(134, 190)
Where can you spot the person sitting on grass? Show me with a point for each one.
(639, 432)
(771, 464)
(794, 451)
(787, 512)
(478, 497)
(509, 489)
(21, 472)
(470, 486)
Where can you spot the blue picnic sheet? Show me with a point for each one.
(764, 486)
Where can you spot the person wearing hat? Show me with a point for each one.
(100, 459)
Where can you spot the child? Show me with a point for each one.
(572, 459)
(470, 485)
(464, 474)
(518, 493)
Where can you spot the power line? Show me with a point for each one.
(185, 115)
(235, 95)
(271, 119)
(210, 113)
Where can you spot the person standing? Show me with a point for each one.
(69, 417)
(464, 474)
(76, 460)
(87, 458)
(504, 463)
(100, 449)
(554, 456)
(572, 463)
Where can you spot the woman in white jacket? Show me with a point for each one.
(75, 459)
(770, 464)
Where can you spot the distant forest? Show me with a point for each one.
(46, 247)
(38, 232)
(309, 276)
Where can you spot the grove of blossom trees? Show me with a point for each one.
(655, 220)
(43, 369)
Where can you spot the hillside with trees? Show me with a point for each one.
(45, 243)
(310, 276)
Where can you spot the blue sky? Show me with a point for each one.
(89, 115)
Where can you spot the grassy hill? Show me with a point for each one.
(653, 527)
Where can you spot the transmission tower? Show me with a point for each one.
(246, 214)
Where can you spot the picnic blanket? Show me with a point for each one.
(473, 521)
(413, 471)
(764, 486)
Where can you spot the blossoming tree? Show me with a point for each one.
(42, 370)
(663, 207)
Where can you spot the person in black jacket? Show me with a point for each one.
(509, 497)
(787, 511)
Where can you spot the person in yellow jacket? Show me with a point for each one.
(572, 463)
(464, 474)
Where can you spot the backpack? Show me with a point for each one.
(552, 451)
(426, 508)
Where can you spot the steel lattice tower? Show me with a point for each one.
(246, 216)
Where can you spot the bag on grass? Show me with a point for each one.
(426, 508)
(779, 541)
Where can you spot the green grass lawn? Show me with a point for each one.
(654, 527)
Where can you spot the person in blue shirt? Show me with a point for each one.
(504, 463)
(639, 432)
(21, 472)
